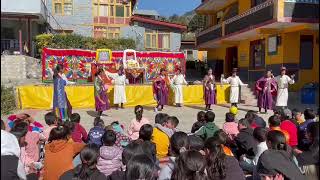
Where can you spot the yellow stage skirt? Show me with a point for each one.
(40, 96)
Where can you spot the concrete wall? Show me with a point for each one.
(19, 68)
(175, 41)
(136, 33)
(81, 21)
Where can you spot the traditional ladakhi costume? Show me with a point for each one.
(282, 93)
(209, 86)
(100, 94)
(235, 82)
(119, 81)
(161, 91)
(178, 81)
(266, 88)
(61, 104)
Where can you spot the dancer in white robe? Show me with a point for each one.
(235, 83)
(119, 81)
(178, 81)
(283, 82)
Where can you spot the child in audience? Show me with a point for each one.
(79, 133)
(190, 165)
(222, 137)
(110, 155)
(170, 125)
(87, 169)
(178, 144)
(201, 121)
(141, 167)
(52, 122)
(288, 126)
(33, 125)
(219, 165)
(274, 124)
(136, 123)
(196, 143)
(230, 127)
(122, 139)
(145, 133)
(297, 117)
(209, 128)
(96, 133)
(159, 138)
(59, 153)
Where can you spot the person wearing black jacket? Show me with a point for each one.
(246, 144)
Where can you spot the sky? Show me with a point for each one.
(169, 7)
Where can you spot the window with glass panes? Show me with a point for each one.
(157, 40)
(111, 8)
(63, 7)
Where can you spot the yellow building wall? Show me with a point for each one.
(243, 53)
(244, 5)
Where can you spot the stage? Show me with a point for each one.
(82, 96)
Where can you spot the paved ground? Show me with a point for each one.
(186, 115)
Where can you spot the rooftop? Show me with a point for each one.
(146, 12)
(158, 22)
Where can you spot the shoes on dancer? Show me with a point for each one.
(155, 110)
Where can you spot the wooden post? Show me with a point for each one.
(20, 41)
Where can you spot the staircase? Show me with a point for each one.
(248, 97)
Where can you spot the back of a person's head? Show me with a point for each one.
(3, 126)
(174, 120)
(69, 125)
(150, 149)
(58, 133)
(190, 165)
(309, 114)
(215, 158)
(109, 138)
(295, 112)
(210, 116)
(132, 149)
(89, 156)
(20, 130)
(201, 116)
(75, 117)
(195, 143)
(286, 114)
(250, 116)
(274, 121)
(229, 117)
(98, 122)
(260, 134)
(313, 132)
(245, 122)
(50, 118)
(141, 167)
(161, 118)
(276, 140)
(178, 143)
(220, 136)
(145, 132)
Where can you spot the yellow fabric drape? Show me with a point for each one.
(40, 97)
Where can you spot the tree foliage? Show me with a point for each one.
(8, 102)
(73, 41)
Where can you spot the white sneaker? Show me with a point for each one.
(155, 110)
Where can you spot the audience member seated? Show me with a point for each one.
(276, 162)
(52, 122)
(255, 120)
(79, 133)
(274, 124)
(12, 167)
(196, 143)
(219, 165)
(309, 159)
(288, 126)
(178, 144)
(246, 145)
(190, 165)
(87, 169)
(137, 123)
(297, 117)
(230, 127)
(33, 125)
(309, 117)
(201, 121)
(222, 137)
(96, 133)
(122, 140)
(141, 167)
(59, 153)
(160, 138)
(110, 155)
(169, 126)
(209, 128)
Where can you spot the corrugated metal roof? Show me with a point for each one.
(146, 12)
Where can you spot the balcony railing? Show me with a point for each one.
(209, 34)
(251, 18)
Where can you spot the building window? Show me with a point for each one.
(257, 54)
(63, 7)
(306, 52)
(157, 40)
(128, 14)
(119, 11)
(103, 10)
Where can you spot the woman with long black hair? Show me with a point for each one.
(100, 93)
(61, 105)
(87, 169)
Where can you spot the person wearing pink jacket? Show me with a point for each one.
(230, 127)
(137, 123)
(110, 159)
